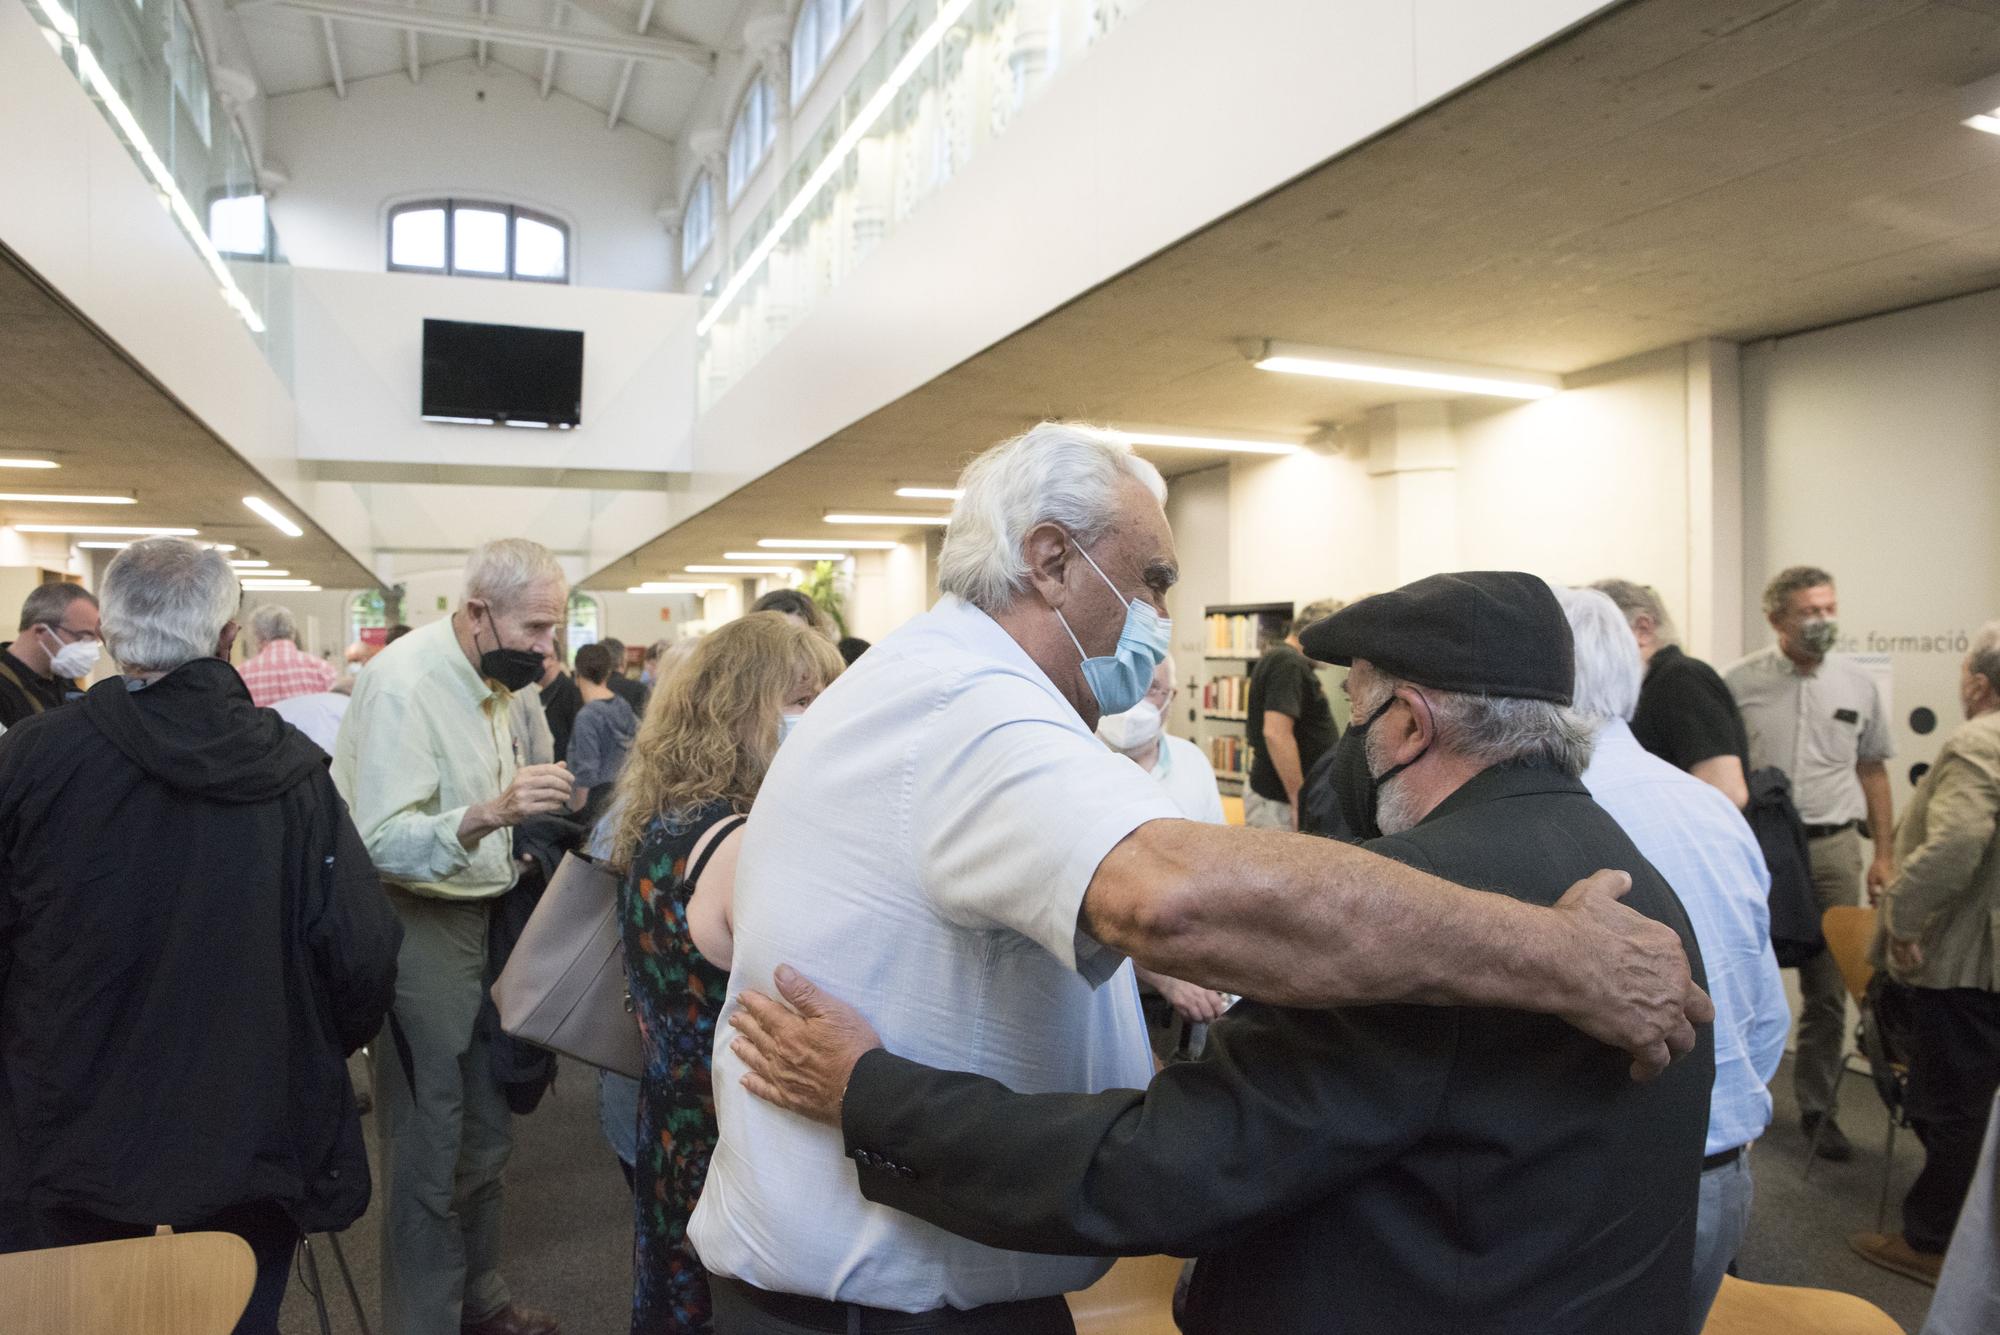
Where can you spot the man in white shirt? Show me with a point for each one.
(1699, 841)
(945, 842)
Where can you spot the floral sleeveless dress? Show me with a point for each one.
(677, 995)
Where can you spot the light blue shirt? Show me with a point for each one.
(1700, 842)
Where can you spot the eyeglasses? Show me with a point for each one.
(74, 633)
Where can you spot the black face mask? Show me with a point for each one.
(514, 669)
(1354, 787)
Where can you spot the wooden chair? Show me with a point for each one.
(1135, 1298)
(173, 1284)
(1744, 1308)
(1849, 930)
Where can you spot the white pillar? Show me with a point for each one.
(1413, 459)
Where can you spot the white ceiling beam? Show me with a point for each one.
(500, 31)
(333, 57)
(410, 56)
(625, 75)
(549, 56)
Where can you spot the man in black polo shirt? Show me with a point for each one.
(57, 645)
(1290, 725)
(1686, 716)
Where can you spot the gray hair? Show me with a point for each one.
(166, 602)
(1984, 661)
(1608, 671)
(1317, 610)
(1058, 473)
(1640, 600)
(1778, 593)
(1500, 729)
(48, 604)
(502, 571)
(272, 622)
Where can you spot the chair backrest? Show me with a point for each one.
(1744, 1308)
(1848, 931)
(1135, 1297)
(1232, 810)
(173, 1284)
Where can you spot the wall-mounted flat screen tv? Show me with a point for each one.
(502, 375)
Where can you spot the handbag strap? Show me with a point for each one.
(723, 829)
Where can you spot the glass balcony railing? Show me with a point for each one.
(949, 77)
(142, 65)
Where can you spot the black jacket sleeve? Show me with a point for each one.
(1283, 1108)
(354, 936)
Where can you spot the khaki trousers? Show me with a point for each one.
(444, 1126)
(1836, 875)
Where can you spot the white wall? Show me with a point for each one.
(390, 140)
(1285, 85)
(1870, 451)
(358, 383)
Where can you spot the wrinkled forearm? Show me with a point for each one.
(1315, 923)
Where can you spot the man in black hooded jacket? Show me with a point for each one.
(192, 940)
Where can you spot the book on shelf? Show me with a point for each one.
(1229, 755)
(1233, 633)
(1226, 695)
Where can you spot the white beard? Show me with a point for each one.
(1394, 811)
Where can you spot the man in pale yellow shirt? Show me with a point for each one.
(436, 780)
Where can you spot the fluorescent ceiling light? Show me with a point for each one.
(890, 520)
(50, 498)
(1184, 441)
(930, 493)
(105, 546)
(254, 582)
(856, 545)
(1988, 121)
(658, 586)
(274, 517)
(29, 463)
(830, 166)
(742, 570)
(100, 84)
(248, 565)
(220, 546)
(255, 575)
(787, 556)
(1382, 368)
(133, 530)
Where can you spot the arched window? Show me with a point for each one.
(750, 138)
(586, 621)
(482, 240)
(697, 223)
(819, 28)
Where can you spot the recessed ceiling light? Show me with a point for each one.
(29, 463)
(676, 586)
(930, 493)
(275, 517)
(249, 565)
(857, 545)
(890, 520)
(1382, 368)
(254, 583)
(221, 546)
(105, 546)
(787, 556)
(255, 575)
(135, 530)
(1184, 440)
(742, 570)
(51, 498)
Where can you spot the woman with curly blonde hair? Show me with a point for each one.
(710, 731)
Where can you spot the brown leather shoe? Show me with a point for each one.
(512, 1320)
(1889, 1251)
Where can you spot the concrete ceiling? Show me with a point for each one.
(1676, 169)
(68, 395)
(293, 50)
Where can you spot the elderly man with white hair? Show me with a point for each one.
(428, 760)
(1697, 839)
(944, 841)
(192, 939)
(280, 669)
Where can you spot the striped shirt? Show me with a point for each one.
(281, 670)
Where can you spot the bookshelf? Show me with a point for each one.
(1235, 636)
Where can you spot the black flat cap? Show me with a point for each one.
(1480, 632)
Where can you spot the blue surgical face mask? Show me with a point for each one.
(787, 722)
(1122, 679)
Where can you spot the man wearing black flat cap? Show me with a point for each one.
(1399, 1168)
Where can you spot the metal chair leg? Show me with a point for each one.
(1812, 1150)
(314, 1284)
(347, 1278)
